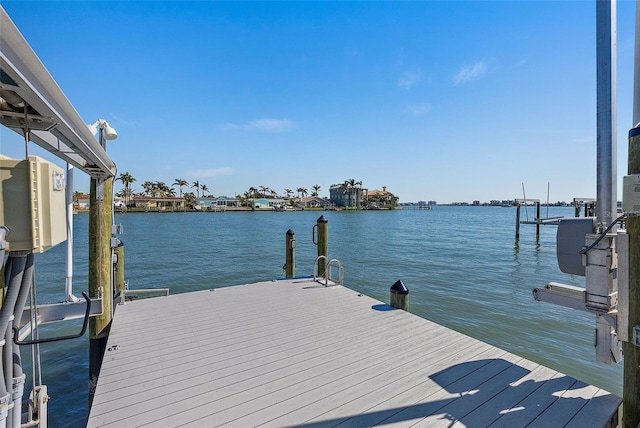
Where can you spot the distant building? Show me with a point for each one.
(314, 202)
(154, 203)
(83, 202)
(343, 196)
(225, 201)
(204, 203)
(268, 203)
(381, 199)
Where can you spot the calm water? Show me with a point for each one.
(461, 265)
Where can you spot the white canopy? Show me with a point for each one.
(30, 100)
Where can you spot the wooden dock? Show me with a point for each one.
(296, 353)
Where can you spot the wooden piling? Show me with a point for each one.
(290, 264)
(517, 222)
(323, 243)
(118, 268)
(537, 218)
(631, 379)
(100, 269)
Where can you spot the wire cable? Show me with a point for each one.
(603, 234)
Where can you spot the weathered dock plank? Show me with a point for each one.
(294, 353)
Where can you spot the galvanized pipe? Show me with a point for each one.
(636, 78)
(69, 260)
(606, 112)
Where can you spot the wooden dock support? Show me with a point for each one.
(322, 225)
(100, 270)
(517, 222)
(631, 373)
(537, 218)
(118, 267)
(290, 264)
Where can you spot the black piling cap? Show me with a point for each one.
(321, 219)
(290, 232)
(399, 288)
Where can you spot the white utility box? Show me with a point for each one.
(631, 193)
(32, 203)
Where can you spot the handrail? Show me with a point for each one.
(85, 323)
(327, 269)
(340, 270)
(315, 266)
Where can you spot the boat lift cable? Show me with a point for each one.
(603, 234)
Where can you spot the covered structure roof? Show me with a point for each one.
(32, 102)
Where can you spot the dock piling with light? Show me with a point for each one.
(290, 264)
(322, 226)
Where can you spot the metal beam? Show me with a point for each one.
(49, 117)
(66, 311)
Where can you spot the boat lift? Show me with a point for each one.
(31, 220)
(595, 247)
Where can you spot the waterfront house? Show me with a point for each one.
(205, 203)
(225, 201)
(82, 202)
(381, 199)
(313, 202)
(343, 196)
(268, 203)
(153, 203)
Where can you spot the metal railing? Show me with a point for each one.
(327, 270)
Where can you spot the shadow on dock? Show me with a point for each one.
(489, 392)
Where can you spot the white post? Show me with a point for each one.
(69, 262)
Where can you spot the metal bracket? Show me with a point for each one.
(117, 229)
(636, 335)
(85, 323)
(55, 312)
(565, 295)
(100, 189)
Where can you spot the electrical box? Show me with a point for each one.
(631, 193)
(32, 203)
(570, 240)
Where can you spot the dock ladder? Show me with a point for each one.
(327, 271)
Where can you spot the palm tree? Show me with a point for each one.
(316, 189)
(189, 199)
(205, 189)
(196, 184)
(263, 190)
(161, 189)
(253, 191)
(126, 179)
(180, 183)
(127, 194)
(304, 192)
(299, 190)
(247, 197)
(288, 192)
(148, 187)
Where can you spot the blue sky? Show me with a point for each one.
(449, 101)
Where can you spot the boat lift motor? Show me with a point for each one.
(603, 259)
